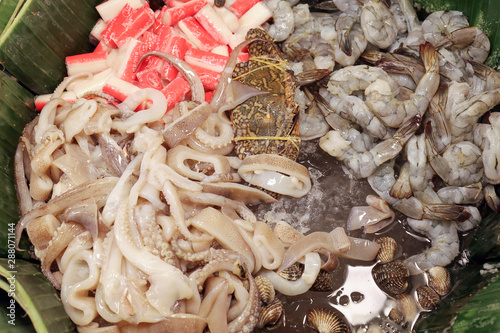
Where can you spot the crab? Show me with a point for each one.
(267, 123)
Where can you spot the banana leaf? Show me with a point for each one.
(25, 289)
(36, 40)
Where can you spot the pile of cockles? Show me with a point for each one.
(141, 211)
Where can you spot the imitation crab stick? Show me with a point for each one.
(94, 84)
(128, 23)
(197, 34)
(176, 91)
(127, 59)
(175, 14)
(86, 62)
(119, 89)
(240, 7)
(213, 24)
(178, 47)
(149, 78)
(110, 8)
(208, 60)
(42, 100)
(208, 78)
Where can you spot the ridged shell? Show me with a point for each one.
(391, 277)
(292, 273)
(388, 249)
(326, 321)
(323, 282)
(396, 316)
(439, 280)
(266, 289)
(408, 307)
(427, 298)
(270, 314)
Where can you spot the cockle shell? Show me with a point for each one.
(396, 316)
(292, 273)
(323, 282)
(388, 248)
(326, 321)
(439, 280)
(270, 314)
(266, 289)
(427, 298)
(391, 277)
(408, 307)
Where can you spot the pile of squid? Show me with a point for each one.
(141, 218)
(408, 105)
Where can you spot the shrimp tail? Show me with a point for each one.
(405, 132)
(446, 212)
(429, 56)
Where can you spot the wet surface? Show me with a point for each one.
(327, 206)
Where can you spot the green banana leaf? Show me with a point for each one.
(36, 41)
(38, 35)
(22, 282)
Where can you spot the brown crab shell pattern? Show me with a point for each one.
(266, 124)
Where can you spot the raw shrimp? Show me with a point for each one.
(382, 181)
(284, 23)
(399, 17)
(491, 150)
(312, 123)
(439, 25)
(463, 116)
(444, 248)
(406, 7)
(439, 134)
(492, 198)
(378, 24)
(470, 42)
(380, 98)
(349, 42)
(363, 164)
(470, 194)
(460, 164)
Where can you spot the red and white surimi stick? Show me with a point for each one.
(176, 91)
(197, 34)
(158, 19)
(213, 24)
(110, 8)
(127, 59)
(174, 3)
(101, 47)
(228, 17)
(240, 7)
(208, 96)
(128, 23)
(42, 100)
(175, 14)
(178, 47)
(95, 33)
(222, 50)
(149, 78)
(207, 60)
(119, 89)
(255, 16)
(94, 84)
(208, 78)
(165, 35)
(86, 62)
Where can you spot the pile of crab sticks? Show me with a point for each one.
(195, 31)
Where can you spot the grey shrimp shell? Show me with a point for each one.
(388, 249)
(439, 280)
(271, 314)
(427, 298)
(266, 289)
(391, 277)
(326, 321)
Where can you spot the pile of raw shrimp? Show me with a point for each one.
(408, 105)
